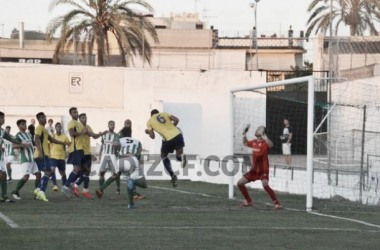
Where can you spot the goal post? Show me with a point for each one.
(310, 126)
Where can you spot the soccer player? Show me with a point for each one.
(172, 139)
(128, 124)
(42, 153)
(58, 155)
(88, 158)
(260, 166)
(110, 144)
(3, 173)
(28, 165)
(9, 154)
(76, 156)
(129, 157)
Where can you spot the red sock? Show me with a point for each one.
(271, 194)
(244, 192)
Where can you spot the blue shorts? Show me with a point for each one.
(88, 159)
(174, 144)
(77, 158)
(43, 164)
(61, 164)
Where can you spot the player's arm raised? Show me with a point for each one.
(174, 119)
(267, 140)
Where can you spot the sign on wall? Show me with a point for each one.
(76, 83)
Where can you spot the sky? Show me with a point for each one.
(229, 16)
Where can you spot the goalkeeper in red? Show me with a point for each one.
(260, 166)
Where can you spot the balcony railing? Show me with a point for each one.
(262, 43)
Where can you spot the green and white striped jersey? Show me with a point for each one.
(26, 155)
(130, 146)
(8, 148)
(108, 141)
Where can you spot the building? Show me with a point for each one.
(184, 44)
(347, 53)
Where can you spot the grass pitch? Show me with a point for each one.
(192, 216)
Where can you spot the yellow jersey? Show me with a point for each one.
(77, 141)
(58, 151)
(44, 139)
(162, 124)
(87, 141)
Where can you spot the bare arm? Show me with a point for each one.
(95, 136)
(150, 133)
(174, 119)
(74, 133)
(51, 139)
(245, 140)
(268, 141)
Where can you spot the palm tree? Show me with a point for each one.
(360, 15)
(94, 21)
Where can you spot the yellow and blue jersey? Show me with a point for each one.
(77, 141)
(87, 141)
(58, 151)
(44, 139)
(162, 124)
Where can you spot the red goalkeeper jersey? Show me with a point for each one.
(260, 162)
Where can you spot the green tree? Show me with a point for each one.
(93, 22)
(359, 15)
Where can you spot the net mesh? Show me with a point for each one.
(346, 161)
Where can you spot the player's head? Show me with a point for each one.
(58, 127)
(128, 123)
(111, 126)
(50, 121)
(126, 132)
(21, 124)
(33, 121)
(8, 129)
(74, 113)
(83, 118)
(286, 121)
(153, 112)
(260, 131)
(2, 118)
(41, 118)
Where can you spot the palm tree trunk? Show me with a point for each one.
(352, 29)
(100, 48)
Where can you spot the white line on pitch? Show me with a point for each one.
(185, 192)
(211, 228)
(348, 219)
(9, 222)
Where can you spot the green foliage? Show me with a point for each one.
(91, 23)
(359, 15)
(305, 70)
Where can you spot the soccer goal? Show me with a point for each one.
(335, 149)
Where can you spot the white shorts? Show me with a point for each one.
(108, 162)
(131, 167)
(286, 149)
(28, 168)
(9, 159)
(2, 166)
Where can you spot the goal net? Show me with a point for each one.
(335, 151)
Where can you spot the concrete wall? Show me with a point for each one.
(200, 100)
